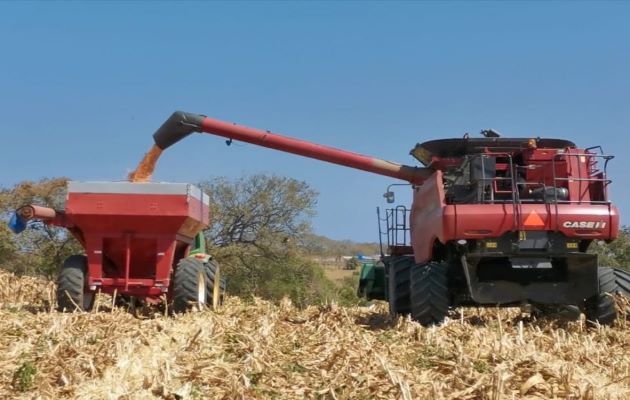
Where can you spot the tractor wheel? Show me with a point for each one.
(601, 307)
(622, 280)
(398, 285)
(215, 291)
(190, 285)
(71, 290)
(429, 293)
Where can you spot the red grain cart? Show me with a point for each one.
(137, 240)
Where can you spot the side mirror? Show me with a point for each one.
(390, 197)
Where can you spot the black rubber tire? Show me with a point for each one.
(430, 298)
(622, 280)
(601, 307)
(187, 283)
(71, 291)
(211, 268)
(398, 285)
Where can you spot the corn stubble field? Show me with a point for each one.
(262, 350)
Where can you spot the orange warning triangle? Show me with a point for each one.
(533, 219)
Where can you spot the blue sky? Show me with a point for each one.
(84, 85)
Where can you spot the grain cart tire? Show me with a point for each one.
(622, 280)
(429, 293)
(71, 293)
(398, 285)
(190, 285)
(214, 291)
(601, 307)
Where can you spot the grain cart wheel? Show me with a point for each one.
(214, 284)
(189, 285)
(601, 307)
(398, 285)
(71, 291)
(429, 293)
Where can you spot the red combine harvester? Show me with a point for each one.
(494, 221)
(140, 240)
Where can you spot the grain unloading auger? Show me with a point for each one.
(494, 221)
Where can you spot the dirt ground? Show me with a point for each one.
(256, 350)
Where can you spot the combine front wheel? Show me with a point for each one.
(71, 291)
(601, 307)
(429, 293)
(399, 270)
(189, 285)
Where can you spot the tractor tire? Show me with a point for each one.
(215, 291)
(601, 307)
(398, 285)
(190, 285)
(71, 290)
(622, 280)
(429, 293)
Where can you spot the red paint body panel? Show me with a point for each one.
(133, 240)
(431, 219)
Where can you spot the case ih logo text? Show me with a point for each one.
(584, 224)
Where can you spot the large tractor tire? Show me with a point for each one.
(601, 307)
(190, 285)
(215, 284)
(399, 286)
(429, 293)
(622, 280)
(71, 286)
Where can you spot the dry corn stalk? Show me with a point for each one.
(258, 349)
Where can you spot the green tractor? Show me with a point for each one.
(198, 260)
(371, 280)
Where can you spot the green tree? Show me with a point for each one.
(616, 253)
(261, 210)
(41, 248)
(257, 223)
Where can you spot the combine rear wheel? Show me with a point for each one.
(398, 285)
(429, 293)
(71, 291)
(601, 307)
(190, 285)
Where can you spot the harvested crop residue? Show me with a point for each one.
(145, 169)
(261, 350)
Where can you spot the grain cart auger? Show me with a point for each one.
(141, 241)
(494, 221)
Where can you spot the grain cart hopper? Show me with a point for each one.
(140, 240)
(494, 221)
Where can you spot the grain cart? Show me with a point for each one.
(494, 221)
(140, 240)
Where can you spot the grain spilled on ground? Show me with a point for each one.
(256, 350)
(144, 170)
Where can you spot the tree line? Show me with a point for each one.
(260, 233)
